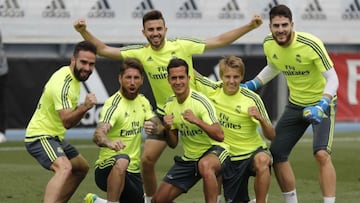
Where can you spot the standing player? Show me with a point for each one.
(118, 134)
(155, 56)
(190, 116)
(240, 111)
(57, 111)
(313, 83)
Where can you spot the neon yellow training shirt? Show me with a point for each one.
(240, 130)
(194, 140)
(62, 91)
(127, 119)
(156, 61)
(302, 63)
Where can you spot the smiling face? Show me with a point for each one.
(155, 31)
(231, 78)
(232, 70)
(281, 28)
(83, 65)
(179, 82)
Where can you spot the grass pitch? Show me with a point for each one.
(23, 179)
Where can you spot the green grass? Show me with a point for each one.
(23, 179)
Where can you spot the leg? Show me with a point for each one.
(152, 151)
(116, 180)
(289, 130)
(219, 182)
(209, 167)
(327, 173)
(284, 176)
(323, 138)
(80, 168)
(166, 193)
(262, 162)
(67, 177)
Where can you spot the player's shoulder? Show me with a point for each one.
(133, 47)
(142, 98)
(249, 94)
(185, 39)
(268, 39)
(307, 38)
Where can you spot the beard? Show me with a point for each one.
(129, 95)
(77, 74)
(283, 42)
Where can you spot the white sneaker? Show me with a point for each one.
(2, 138)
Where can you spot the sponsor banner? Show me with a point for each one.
(348, 69)
(27, 77)
(114, 21)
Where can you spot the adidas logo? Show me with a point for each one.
(94, 85)
(144, 7)
(231, 11)
(352, 12)
(56, 9)
(101, 10)
(11, 9)
(313, 12)
(189, 10)
(265, 13)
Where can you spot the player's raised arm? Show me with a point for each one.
(102, 48)
(232, 35)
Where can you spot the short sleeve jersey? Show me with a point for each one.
(302, 63)
(156, 61)
(62, 91)
(194, 140)
(241, 130)
(126, 118)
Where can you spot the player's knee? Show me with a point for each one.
(147, 161)
(208, 168)
(262, 162)
(61, 164)
(322, 156)
(121, 166)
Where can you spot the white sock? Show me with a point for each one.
(100, 200)
(329, 199)
(147, 199)
(290, 197)
(218, 199)
(113, 202)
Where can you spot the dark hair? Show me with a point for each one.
(153, 15)
(132, 63)
(280, 10)
(84, 46)
(176, 62)
(232, 62)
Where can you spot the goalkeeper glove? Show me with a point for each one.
(315, 114)
(253, 84)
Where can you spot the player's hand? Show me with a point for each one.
(90, 100)
(314, 114)
(116, 145)
(256, 21)
(189, 116)
(80, 25)
(168, 121)
(254, 112)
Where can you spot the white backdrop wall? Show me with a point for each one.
(119, 21)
